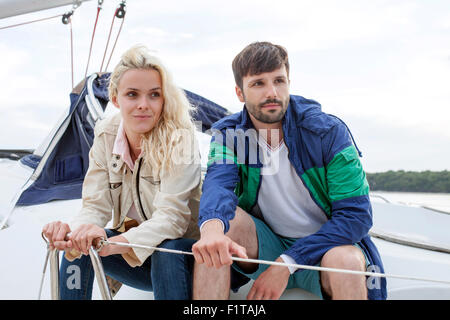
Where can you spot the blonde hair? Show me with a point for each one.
(175, 127)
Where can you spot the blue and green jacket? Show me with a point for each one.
(322, 151)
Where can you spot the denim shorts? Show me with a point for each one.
(270, 247)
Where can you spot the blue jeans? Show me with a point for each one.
(168, 275)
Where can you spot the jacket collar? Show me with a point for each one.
(121, 148)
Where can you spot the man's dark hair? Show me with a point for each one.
(257, 58)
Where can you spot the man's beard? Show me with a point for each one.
(272, 116)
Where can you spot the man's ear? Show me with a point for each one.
(240, 94)
(114, 102)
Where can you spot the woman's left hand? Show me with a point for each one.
(114, 249)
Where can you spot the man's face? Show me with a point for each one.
(266, 95)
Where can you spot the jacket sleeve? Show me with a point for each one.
(218, 200)
(348, 193)
(172, 216)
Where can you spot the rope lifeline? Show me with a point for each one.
(300, 266)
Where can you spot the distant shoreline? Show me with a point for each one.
(410, 181)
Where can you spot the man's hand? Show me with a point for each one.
(270, 284)
(214, 248)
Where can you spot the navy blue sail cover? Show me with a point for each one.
(207, 112)
(63, 173)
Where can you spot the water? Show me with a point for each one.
(439, 201)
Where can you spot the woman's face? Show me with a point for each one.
(140, 100)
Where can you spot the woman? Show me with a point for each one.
(137, 178)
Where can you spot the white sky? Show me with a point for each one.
(382, 66)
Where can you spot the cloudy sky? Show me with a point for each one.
(383, 66)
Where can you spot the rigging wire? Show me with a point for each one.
(115, 42)
(32, 21)
(120, 14)
(67, 19)
(107, 42)
(99, 7)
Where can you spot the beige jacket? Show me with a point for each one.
(168, 204)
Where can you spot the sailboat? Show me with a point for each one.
(37, 188)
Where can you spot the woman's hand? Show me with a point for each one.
(114, 249)
(84, 235)
(56, 233)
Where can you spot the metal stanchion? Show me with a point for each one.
(100, 274)
(54, 274)
(53, 256)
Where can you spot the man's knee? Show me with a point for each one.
(344, 257)
(243, 232)
(342, 285)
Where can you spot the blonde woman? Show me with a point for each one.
(144, 174)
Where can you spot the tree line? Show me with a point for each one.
(410, 181)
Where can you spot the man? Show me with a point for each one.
(284, 183)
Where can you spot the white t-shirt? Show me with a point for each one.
(285, 203)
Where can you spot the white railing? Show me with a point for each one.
(53, 256)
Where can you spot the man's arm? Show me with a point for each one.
(348, 192)
(217, 207)
(218, 200)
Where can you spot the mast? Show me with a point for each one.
(10, 8)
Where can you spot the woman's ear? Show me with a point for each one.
(114, 102)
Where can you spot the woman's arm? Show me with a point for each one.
(96, 208)
(96, 195)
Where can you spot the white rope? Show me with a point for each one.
(300, 266)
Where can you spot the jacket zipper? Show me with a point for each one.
(301, 178)
(142, 213)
